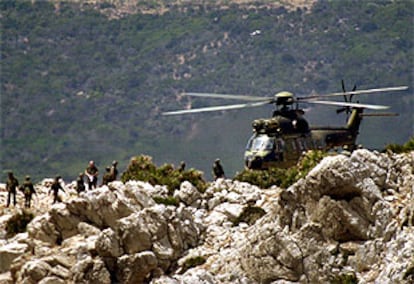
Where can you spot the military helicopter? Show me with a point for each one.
(280, 141)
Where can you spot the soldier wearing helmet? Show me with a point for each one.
(107, 177)
(218, 171)
(80, 184)
(11, 185)
(55, 188)
(28, 190)
(114, 170)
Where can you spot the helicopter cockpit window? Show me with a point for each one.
(262, 142)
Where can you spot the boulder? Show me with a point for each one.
(9, 252)
(35, 270)
(108, 244)
(90, 270)
(135, 268)
(188, 194)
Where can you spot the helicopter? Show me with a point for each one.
(280, 141)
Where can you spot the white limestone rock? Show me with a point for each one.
(9, 252)
(188, 194)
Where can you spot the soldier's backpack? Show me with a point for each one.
(27, 190)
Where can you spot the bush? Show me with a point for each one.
(18, 223)
(250, 215)
(345, 278)
(193, 262)
(282, 177)
(396, 148)
(166, 200)
(142, 168)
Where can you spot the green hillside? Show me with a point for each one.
(77, 85)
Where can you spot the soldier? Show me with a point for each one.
(182, 167)
(114, 171)
(55, 188)
(80, 184)
(28, 190)
(218, 171)
(92, 174)
(11, 185)
(107, 177)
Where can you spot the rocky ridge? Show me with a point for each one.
(350, 219)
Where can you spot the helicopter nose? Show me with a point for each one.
(254, 163)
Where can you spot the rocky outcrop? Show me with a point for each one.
(350, 219)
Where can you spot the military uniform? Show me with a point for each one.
(11, 185)
(114, 171)
(55, 188)
(182, 167)
(107, 177)
(80, 184)
(218, 171)
(92, 174)
(28, 191)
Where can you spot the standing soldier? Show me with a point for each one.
(11, 185)
(218, 171)
(182, 167)
(28, 191)
(107, 177)
(114, 171)
(80, 184)
(92, 174)
(55, 188)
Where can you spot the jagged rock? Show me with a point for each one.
(41, 228)
(230, 210)
(87, 230)
(277, 256)
(52, 280)
(6, 278)
(8, 252)
(108, 244)
(135, 268)
(35, 270)
(91, 270)
(188, 194)
(351, 217)
(135, 236)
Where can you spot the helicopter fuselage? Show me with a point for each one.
(280, 141)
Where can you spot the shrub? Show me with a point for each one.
(193, 262)
(396, 148)
(142, 168)
(18, 223)
(345, 278)
(282, 177)
(250, 215)
(169, 200)
(262, 178)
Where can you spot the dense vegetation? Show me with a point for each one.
(142, 168)
(77, 86)
(404, 148)
(282, 177)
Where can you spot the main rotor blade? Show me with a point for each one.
(380, 114)
(359, 92)
(227, 96)
(356, 105)
(215, 108)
